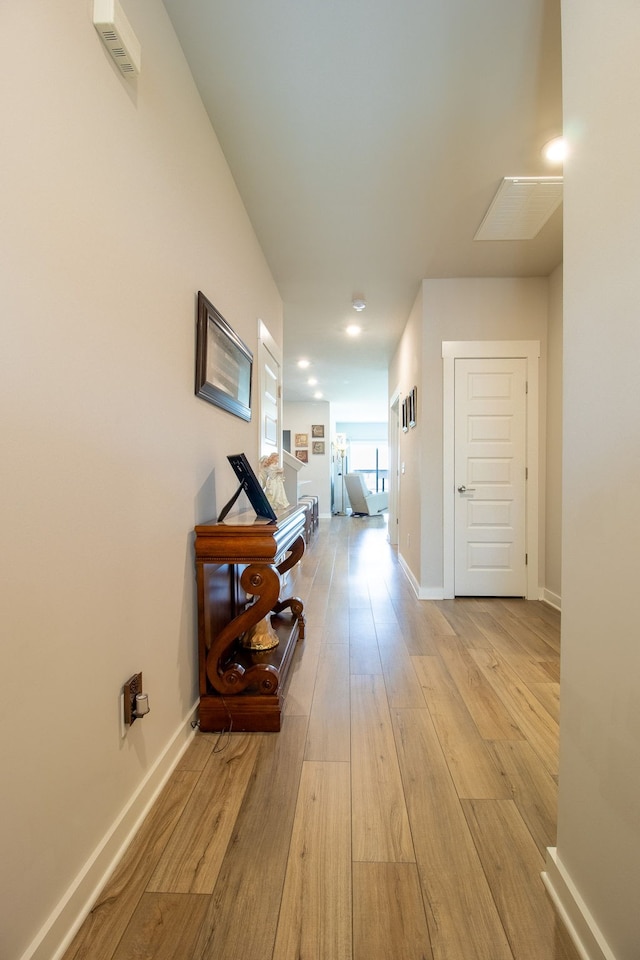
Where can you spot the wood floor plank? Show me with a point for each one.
(456, 613)
(164, 926)
(101, 932)
(329, 731)
(381, 606)
(513, 865)
(552, 667)
(191, 860)
(527, 610)
(379, 816)
(550, 633)
(538, 727)
(359, 602)
(335, 626)
(521, 609)
(198, 752)
(361, 628)
(527, 668)
(530, 641)
(401, 681)
(316, 910)
(436, 619)
(461, 914)
(533, 788)
(468, 757)
(418, 635)
(364, 655)
(243, 911)
(549, 696)
(493, 720)
(389, 921)
(302, 679)
(363, 645)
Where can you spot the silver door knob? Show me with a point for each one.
(463, 489)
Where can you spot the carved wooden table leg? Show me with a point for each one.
(239, 567)
(225, 670)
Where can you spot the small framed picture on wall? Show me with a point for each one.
(413, 402)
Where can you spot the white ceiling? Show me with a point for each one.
(368, 139)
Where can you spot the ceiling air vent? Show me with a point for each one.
(117, 35)
(520, 208)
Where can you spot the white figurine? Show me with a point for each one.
(272, 481)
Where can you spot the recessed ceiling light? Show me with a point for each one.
(317, 395)
(556, 150)
(358, 304)
(303, 364)
(354, 330)
(312, 381)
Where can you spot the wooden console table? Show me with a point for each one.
(238, 568)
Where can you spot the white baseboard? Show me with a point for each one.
(551, 598)
(56, 934)
(422, 593)
(582, 928)
(404, 566)
(431, 593)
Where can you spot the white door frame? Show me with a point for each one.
(267, 345)
(488, 349)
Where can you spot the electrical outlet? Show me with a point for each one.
(131, 689)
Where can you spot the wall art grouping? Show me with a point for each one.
(302, 443)
(409, 409)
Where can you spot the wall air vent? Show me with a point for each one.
(520, 208)
(118, 37)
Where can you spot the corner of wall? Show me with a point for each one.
(580, 924)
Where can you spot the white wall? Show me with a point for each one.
(117, 207)
(315, 476)
(406, 371)
(599, 810)
(459, 309)
(551, 505)
(469, 309)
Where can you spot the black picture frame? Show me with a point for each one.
(224, 364)
(250, 484)
(413, 402)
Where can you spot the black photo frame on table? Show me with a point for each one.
(250, 484)
(223, 362)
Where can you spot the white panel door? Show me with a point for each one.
(490, 477)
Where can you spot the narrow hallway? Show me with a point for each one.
(402, 812)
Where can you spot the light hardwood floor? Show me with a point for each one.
(403, 810)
